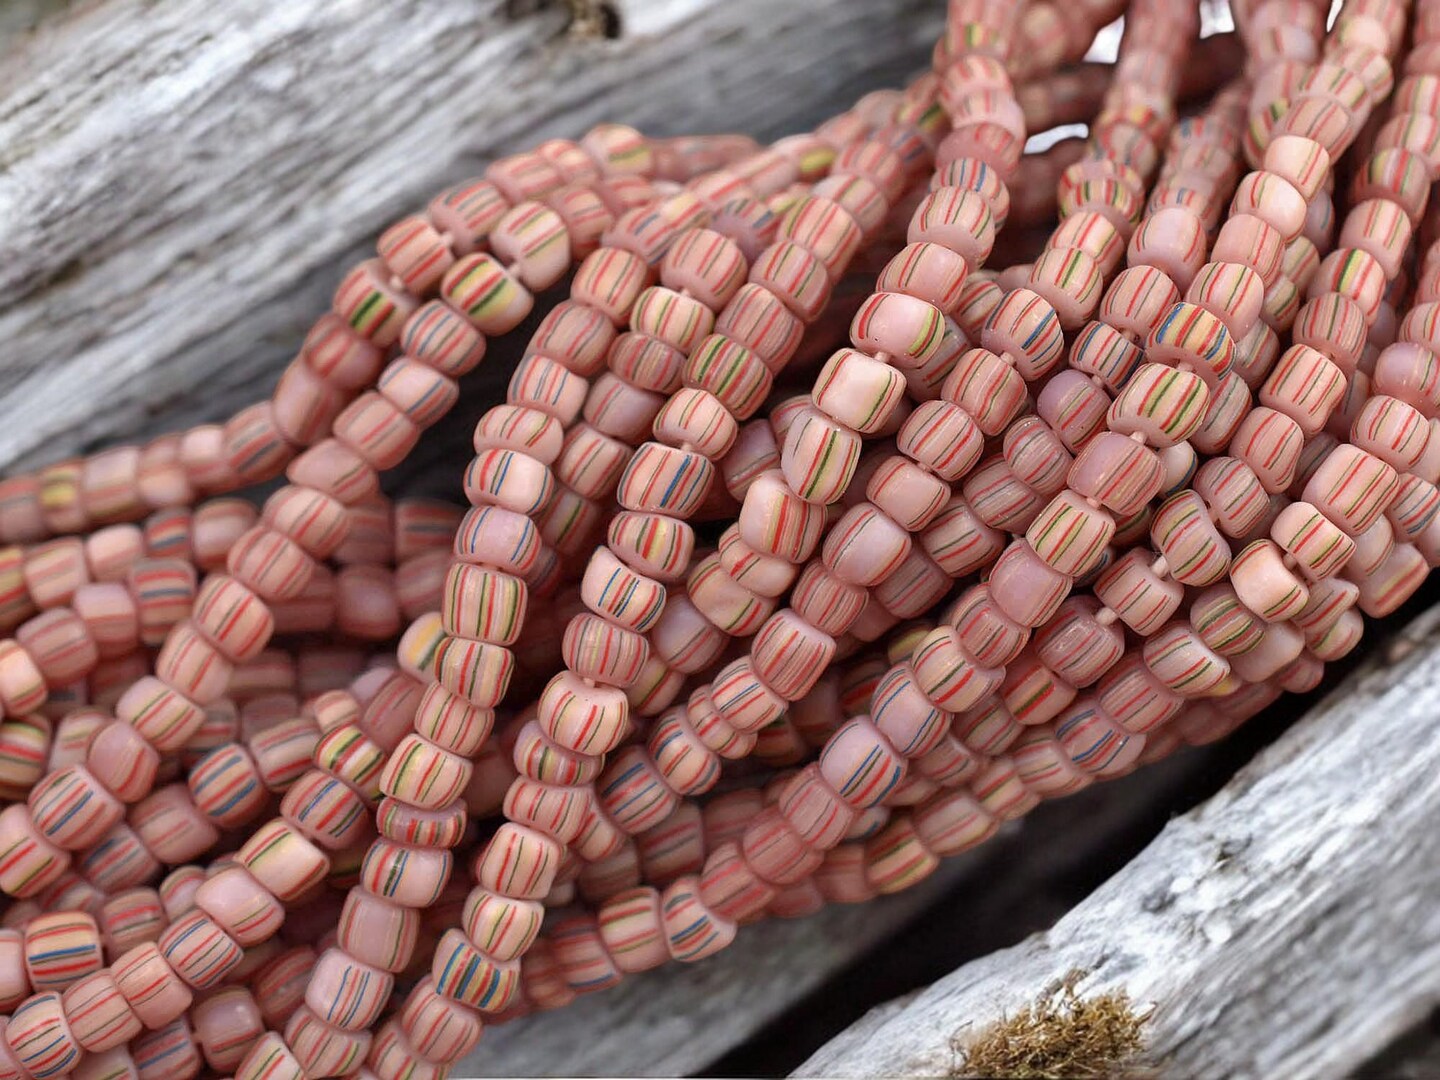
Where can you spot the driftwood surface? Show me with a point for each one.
(182, 182)
(1286, 928)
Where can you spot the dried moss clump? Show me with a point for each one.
(1059, 1037)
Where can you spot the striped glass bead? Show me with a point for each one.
(1025, 587)
(40, 1037)
(633, 792)
(482, 290)
(1392, 582)
(323, 1050)
(28, 862)
(1000, 791)
(282, 860)
(518, 862)
(1033, 693)
(824, 228)
(269, 563)
(1070, 535)
(1318, 546)
(665, 480)
(609, 281)
(25, 743)
(1195, 553)
(775, 850)
(475, 670)
(1142, 599)
(951, 822)
(352, 756)
(742, 698)
(1305, 386)
(61, 949)
(482, 604)
(98, 1014)
(1070, 282)
(707, 264)
(437, 1028)
(227, 1023)
(1388, 428)
(60, 504)
(632, 929)
(423, 774)
(756, 318)
(1228, 406)
(1182, 662)
(620, 595)
(468, 213)
(150, 986)
(131, 917)
(268, 1058)
(534, 243)
(1224, 623)
(1163, 404)
(1233, 493)
(463, 973)
(789, 654)
(1076, 646)
(795, 276)
(1137, 300)
(60, 645)
(1094, 741)
(1231, 292)
(498, 537)
(283, 752)
(602, 651)
(198, 950)
(168, 1053)
(819, 815)
(1352, 488)
(687, 765)
(72, 809)
(500, 926)
(1132, 695)
(326, 810)
(553, 809)
(734, 380)
(1264, 584)
(585, 964)
(989, 390)
(414, 251)
(897, 858)
(693, 930)
(674, 319)
(654, 545)
(346, 993)
(959, 541)
(584, 719)
(1270, 442)
(859, 763)
(909, 493)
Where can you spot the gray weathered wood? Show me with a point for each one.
(182, 182)
(1287, 927)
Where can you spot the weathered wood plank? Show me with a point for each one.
(181, 182)
(1287, 927)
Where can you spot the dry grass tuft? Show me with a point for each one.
(1059, 1037)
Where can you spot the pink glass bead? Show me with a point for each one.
(72, 809)
(1182, 662)
(28, 862)
(40, 1038)
(1142, 599)
(151, 988)
(121, 759)
(519, 862)
(98, 1014)
(61, 949)
(198, 950)
(1194, 551)
(859, 764)
(1026, 589)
